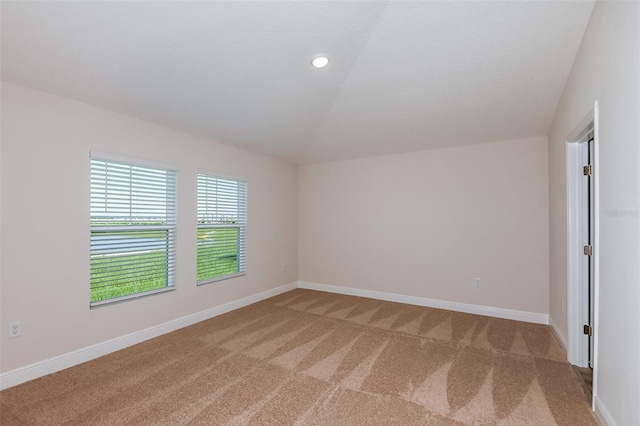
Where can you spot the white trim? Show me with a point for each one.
(577, 349)
(61, 362)
(560, 337)
(596, 255)
(432, 303)
(51, 365)
(601, 411)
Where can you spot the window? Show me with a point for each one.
(133, 230)
(222, 228)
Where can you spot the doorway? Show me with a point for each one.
(582, 246)
(587, 214)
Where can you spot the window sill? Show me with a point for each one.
(106, 302)
(220, 278)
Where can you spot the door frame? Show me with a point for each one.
(577, 297)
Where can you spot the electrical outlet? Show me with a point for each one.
(15, 329)
(477, 282)
(284, 267)
(562, 305)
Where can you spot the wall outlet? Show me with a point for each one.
(562, 304)
(477, 282)
(15, 329)
(284, 267)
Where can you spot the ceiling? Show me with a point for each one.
(403, 76)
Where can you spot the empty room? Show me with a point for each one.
(320, 212)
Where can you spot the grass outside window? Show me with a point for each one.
(217, 252)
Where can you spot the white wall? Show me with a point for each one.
(45, 223)
(606, 69)
(427, 223)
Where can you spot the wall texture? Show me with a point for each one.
(607, 70)
(45, 223)
(427, 223)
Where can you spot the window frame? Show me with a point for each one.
(241, 225)
(170, 198)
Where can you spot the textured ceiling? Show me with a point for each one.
(403, 76)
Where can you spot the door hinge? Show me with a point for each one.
(588, 330)
(588, 250)
(587, 170)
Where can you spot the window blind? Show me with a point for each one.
(222, 222)
(133, 230)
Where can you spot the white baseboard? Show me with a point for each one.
(601, 411)
(559, 336)
(432, 303)
(61, 362)
(52, 365)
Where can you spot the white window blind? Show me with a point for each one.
(222, 228)
(133, 230)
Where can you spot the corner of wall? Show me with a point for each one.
(560, 337)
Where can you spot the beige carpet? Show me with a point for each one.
(308, 357)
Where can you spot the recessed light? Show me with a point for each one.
(320, 61)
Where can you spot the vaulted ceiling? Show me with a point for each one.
(402, 76)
